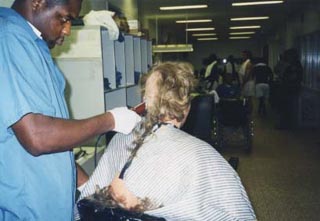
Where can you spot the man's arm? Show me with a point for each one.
(40, 134)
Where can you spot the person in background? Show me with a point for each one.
(205, 63)
(228, 89)
(262, 75)
(230, 67)
(290, 78)
(212, 73)
(122, 23)
(245, 77)
(179, 176)
(37, 167)
(245, 67)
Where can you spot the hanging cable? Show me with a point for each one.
(96, 150)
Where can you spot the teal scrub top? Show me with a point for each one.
(31, 188)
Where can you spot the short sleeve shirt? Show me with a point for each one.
(31, 188)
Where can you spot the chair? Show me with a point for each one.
(95, 210)
(201, 119)
(235, 113)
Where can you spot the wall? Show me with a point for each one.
(128, 7)
(297, 25)
(88, 5)
(289, 35)
(6, 3)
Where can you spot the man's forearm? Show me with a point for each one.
(41, 134)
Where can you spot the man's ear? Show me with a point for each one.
(38, 4)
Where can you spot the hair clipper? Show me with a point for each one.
(140, 108)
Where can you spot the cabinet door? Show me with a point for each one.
(108, 58)
(120, 64)
(133, 96)
(80, 60)
(84, 89)
(137, 59)
(129, 59)
(149, 54)
(116, 98)
(144, 56)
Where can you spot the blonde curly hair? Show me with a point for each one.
(174, 83)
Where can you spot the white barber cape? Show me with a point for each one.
(185, 175)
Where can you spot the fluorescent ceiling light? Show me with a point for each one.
(199, 29)
(249, 18)
(245, 27)
(194, 21)
(207, 39)
(240, 37)
(172, 48)
(204, 34)
(242, 33)
(183, 7)
(256, 3)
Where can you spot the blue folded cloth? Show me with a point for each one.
(136, 77)
(118, 78)
(106, 84)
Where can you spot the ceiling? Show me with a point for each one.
(220, 11)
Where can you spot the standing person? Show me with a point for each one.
(245, 66)
(212, 73)
(37, 168)
(230, 67)
(290, 86)
(262, 75)
(245, 77)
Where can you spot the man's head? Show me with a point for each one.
(227, 78)
(167, 91)
(213, 57)
(51, 17)
(246, 54)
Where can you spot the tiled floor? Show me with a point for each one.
(282, 174)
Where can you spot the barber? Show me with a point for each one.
(37, 168)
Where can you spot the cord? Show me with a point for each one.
(96, 150)
(109, 136)
(80, 153)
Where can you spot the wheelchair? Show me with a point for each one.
(94, 210)
(234, 113)
(201, 121)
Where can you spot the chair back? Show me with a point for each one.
(233, 112)
(199, 122)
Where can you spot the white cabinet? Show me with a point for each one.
(80, 60)
(101, 73)
(144, 56)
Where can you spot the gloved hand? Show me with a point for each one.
(124, 119)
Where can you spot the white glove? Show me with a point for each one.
(124, 119)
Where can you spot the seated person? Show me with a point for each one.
(228, 89)
(161, 170)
